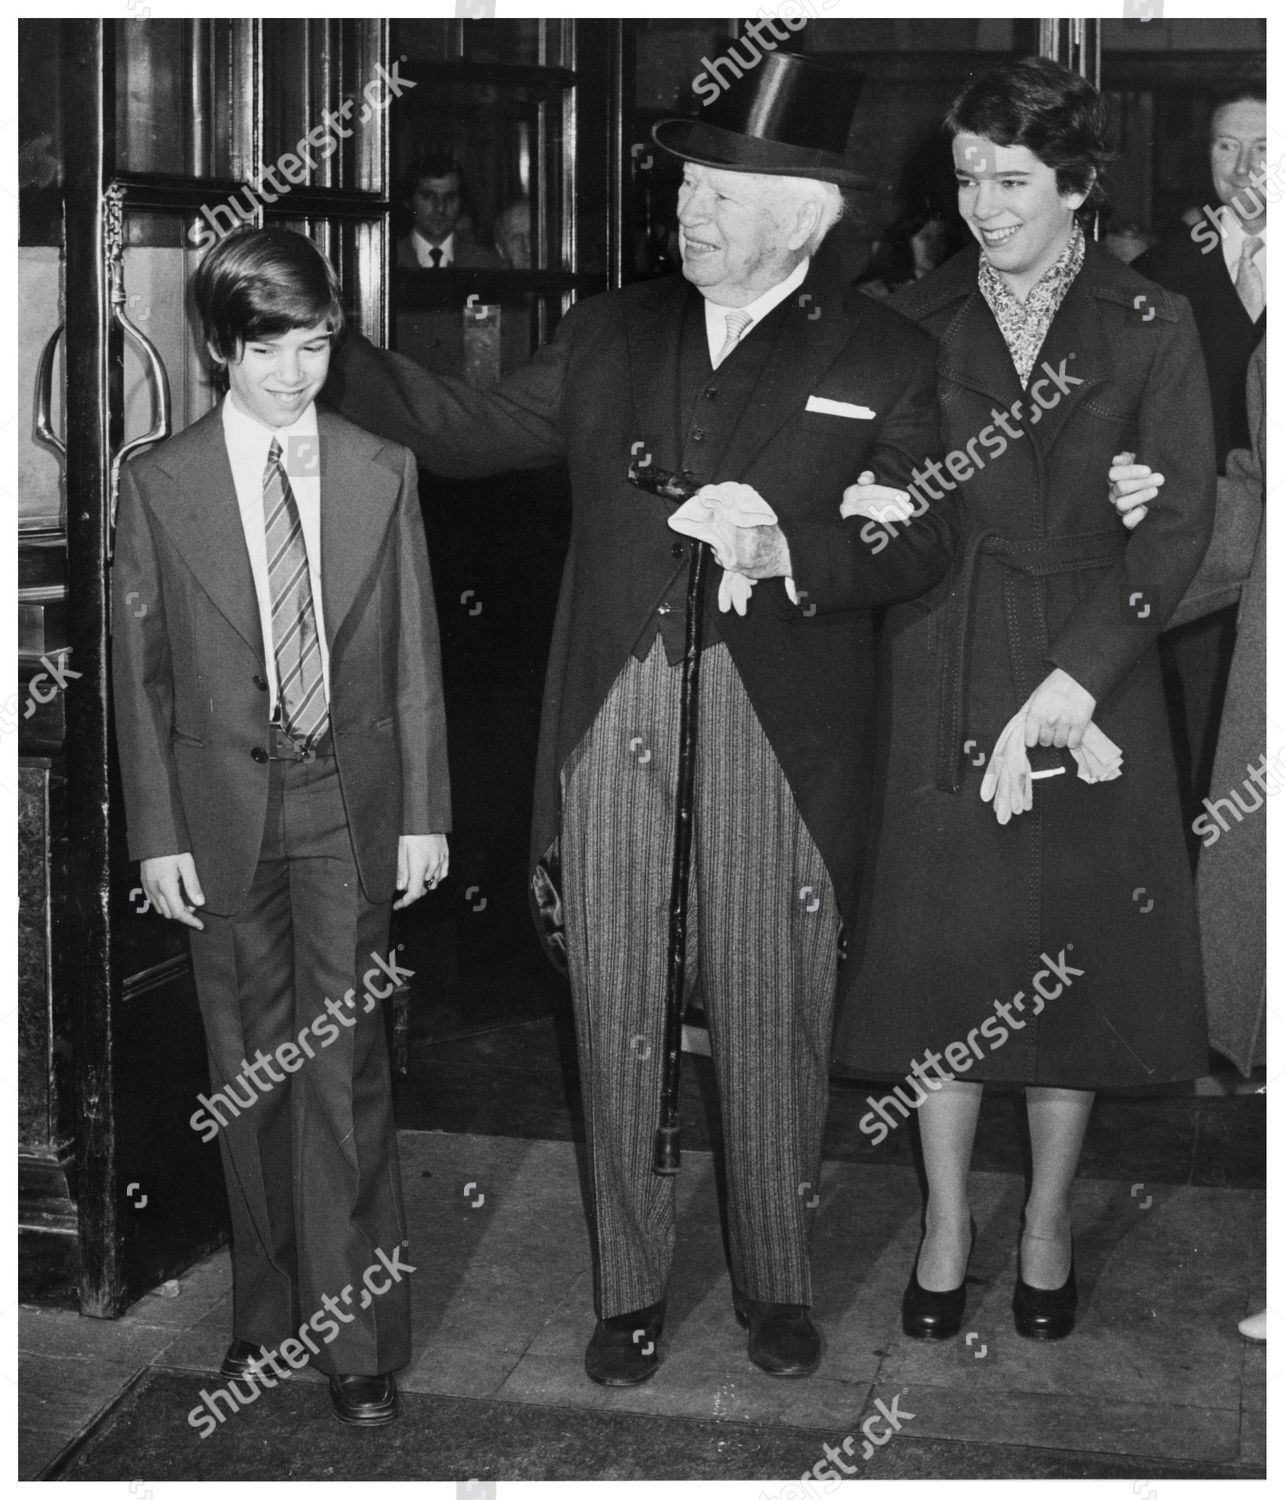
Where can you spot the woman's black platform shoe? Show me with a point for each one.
(934, 1315)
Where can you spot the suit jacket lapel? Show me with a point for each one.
(358, 497)
(814, 329)
(204, 523)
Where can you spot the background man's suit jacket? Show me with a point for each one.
(469, 255)
(1198, 272)
(609, 381)
(189, 667)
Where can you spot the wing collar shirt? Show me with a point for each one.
(248, 442)
(715, 312)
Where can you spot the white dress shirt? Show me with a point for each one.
(248, 442)
(715, 312)
(1234, 235)
(424, 251)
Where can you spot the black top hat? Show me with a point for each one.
(779, 113)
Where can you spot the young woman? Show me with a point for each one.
(1028, 928)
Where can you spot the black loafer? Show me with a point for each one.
(1041, 1314)
(934, 1315)
(364, 1400)
(783, 1338)
(625, 1350)
(236, 1362)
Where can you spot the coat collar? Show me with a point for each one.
(815, 326)
(358, 497)
(973, 353)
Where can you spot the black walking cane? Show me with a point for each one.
(667, 1154)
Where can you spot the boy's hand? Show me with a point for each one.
(422, 860)
(165, 879)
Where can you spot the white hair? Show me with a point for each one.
(798, 191)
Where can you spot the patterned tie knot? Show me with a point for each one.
(738, 320)
(1251, 247)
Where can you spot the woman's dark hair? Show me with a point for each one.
(257, 283)
(1037, 103)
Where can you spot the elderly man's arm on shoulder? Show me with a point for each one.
(891, 537)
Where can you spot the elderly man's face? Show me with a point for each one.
(734, 233)
(513, 236)
(1237, 147)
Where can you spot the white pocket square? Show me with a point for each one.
(839, 408)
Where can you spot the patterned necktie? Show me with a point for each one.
(1249, 279)
(738, 320)
(296, 648)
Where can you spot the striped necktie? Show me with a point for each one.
(296, 648)
(1249, 279)
(738, 320)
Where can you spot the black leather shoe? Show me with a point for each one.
(236, 1362)
(625, 1350)
(934, 1315)
(1041, 1314)
(783, 1339)
(364, 1400)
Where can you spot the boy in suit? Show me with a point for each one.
(283, 755)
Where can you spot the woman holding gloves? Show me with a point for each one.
(1030, 918)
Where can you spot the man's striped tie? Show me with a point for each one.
(300, 684)
(738, 320)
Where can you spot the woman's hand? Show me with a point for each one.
(878, 501)
(1133, 486)
(1058, 712)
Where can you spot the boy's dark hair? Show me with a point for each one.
(257, 283)
(1037, 103)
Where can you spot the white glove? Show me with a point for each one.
(1008, 777)
(734, 591)
(712, 509)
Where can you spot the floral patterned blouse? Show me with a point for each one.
(1025, 324)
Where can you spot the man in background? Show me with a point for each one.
(434, 192)
(1220, 265)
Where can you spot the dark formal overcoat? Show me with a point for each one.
(607, 390)
(961, 912)
(1189, 261)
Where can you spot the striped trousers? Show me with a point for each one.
(763, 940)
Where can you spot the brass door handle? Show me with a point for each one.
(44, 395)
(159, 380)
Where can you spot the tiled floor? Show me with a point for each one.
(1154, 1382)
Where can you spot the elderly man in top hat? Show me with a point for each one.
(768, 386)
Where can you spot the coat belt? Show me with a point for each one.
(1040, 557)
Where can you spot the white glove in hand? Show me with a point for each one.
(1007, 782)
(708, 515)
